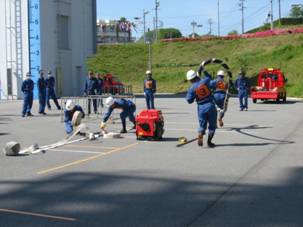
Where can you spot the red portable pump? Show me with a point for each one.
(149, 125)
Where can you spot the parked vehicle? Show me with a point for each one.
(270, 86)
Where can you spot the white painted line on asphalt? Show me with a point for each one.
(37, 215)
(77, 151)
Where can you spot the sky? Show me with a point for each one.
(180, 13)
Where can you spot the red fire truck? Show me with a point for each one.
(270, 86)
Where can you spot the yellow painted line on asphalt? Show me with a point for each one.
(46, 171)
(38, 215)
(90, 146)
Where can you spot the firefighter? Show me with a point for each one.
(100, 87)
(242, 86)
(149, 90)
(28, 95)
(220, 88)
(128, 110)
(91, 86)
(70, 109)
(207, 113)
(50, 91)
(42, 93)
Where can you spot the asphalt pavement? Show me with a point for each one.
(254, 177)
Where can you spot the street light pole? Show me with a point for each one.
(218, 17)
(156, 19)
(194, 24)
(271, 15)
(144, 24)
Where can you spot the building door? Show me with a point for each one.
(9, 83)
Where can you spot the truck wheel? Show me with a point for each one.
(254, 100)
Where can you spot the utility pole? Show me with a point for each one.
(280, 12)
(210, 22)
(218, 17)
(157, 3)
(144, 24)
(194, 24)
(241, 5)
(271, 15)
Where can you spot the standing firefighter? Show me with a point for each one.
(220, 88)
(42, 93)
(149, 90)
(207, 114)
(50, 91)
(128, 110)
(28, 95)
(242, 86)
(70, 109)
(91, 86)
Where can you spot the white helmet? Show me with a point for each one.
(69, 105)
(148, 72)
(109, 101)
(191, 74)
(220, 73)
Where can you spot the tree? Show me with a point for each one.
(233, 32)
(163, 33)
(296, 11)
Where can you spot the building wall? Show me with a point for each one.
(67, 64)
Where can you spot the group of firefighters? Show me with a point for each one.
(209, 94)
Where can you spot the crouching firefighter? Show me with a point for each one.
(220, 88)
(70, 110)
(207, 113)
(128, 110)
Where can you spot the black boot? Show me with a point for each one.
(200, 140)
(210, 137)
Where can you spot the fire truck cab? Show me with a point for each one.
(270, 86)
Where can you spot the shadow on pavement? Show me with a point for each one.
(140, 199)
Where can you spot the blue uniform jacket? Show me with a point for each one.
(50, 82)
(68, 115)
(242, 84)
(200, 91)
(100, 86)
(150, 86)
(218, 85)
(91, 85)
(118, 104)
(27, 86)
(41, 85)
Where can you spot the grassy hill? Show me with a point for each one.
(171, 60)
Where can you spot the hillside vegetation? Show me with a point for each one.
(172, 60)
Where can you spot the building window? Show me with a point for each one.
(63, 32)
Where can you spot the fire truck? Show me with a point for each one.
(271, 85)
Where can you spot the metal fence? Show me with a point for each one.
(85, 101)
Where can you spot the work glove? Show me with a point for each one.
(102, 125)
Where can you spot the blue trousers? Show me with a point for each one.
(149, 97)
(68, 127)
(50, 93)
(27, 102)
(219, 100)
(94, 104)
(207, 115)
(128, 113)
(243, 99)
(42, 101)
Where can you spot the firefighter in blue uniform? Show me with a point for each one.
(91, 86)
(128, 110)
(100, 87)
(242, 85)
(28, 95)
(219, 94)
(42, 93)
(200, 91)
(50, 91)
(150, 88)
(70, 109)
